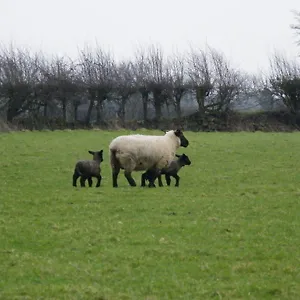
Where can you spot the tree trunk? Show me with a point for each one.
(76, 112)
(100, 99)
(158, 114)
(64, 109)
(45, 109)
(121, 112)
(12, 110)
(145, 100)
(157, 104)
(89, 112)
(177, 107)
(11, 113)
(145, 108)
(98, 112)
(200, 96)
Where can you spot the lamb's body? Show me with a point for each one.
(171, 171)
(86, 169)
(142, 152)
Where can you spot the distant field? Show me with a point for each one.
(230, 231)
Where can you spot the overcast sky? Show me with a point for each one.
(247, 32)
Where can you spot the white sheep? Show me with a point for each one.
(143, 152)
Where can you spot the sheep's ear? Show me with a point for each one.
(91, 152)
(177, 155)
(177, 132)
(101, 151)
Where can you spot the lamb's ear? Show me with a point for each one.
(177, 155)
(91, 152)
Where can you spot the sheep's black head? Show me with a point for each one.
(184, 159)
(97, 155)
(183, 140)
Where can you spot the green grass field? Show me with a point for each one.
(230, 231)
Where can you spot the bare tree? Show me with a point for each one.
(159, 79)
(228, 83)
(200, 76)
(141, 71)
(98, 70)
(59, 77)
(18, 76)
(178, 80)
(125, 86)
(284, 82)
(215, 82)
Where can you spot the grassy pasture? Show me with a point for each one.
(230, 231)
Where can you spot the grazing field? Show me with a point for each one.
(230, 231)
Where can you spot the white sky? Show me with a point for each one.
(247, 32)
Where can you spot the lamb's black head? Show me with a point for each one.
(184, 159)
(183, 140)
(97, 155)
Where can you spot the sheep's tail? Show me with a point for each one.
(114, 162)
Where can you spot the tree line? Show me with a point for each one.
(31, 82)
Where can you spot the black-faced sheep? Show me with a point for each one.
(143, 152)
(86, 169)
(171, 170)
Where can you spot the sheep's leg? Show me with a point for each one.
(168, 179)
(99, 178)
(159, 180)
(82, 181)
(177, 179)
(75, 177)
(115, 174)
(90, 181)
(129, 178)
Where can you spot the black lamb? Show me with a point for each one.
(171, 170)
(86, 169)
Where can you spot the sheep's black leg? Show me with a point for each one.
(82, 181)
(129, 178)
(159, 181)
(143, 179)
(75, 177)
(177, 179)
(90, 181)
(99, 177)
(115, 174)
(168, 179)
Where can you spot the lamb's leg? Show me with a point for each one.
(177, 179)
(115, 174)
(152, 180)
(143, 179)
(99, 178)
(129, 178)
(159, 180)
(153, 174)
(82, 181)
(90, 181)
(75, 177)
(168, 179)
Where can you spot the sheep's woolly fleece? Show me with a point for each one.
(140, 152)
